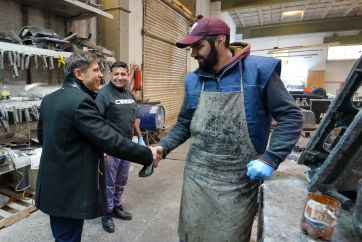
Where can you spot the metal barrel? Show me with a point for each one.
(152, 117)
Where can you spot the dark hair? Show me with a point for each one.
(211, 39)
(79, 59)
(120, 64)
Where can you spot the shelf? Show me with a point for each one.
(19, 162)
(67, 8)
(30, 50)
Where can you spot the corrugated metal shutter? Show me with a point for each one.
(164, 64)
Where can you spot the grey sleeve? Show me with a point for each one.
(289, 120)
(180, 132)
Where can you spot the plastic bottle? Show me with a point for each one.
(320, 215)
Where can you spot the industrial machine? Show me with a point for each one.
(334, 153)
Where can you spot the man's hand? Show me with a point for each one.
(157, 152)
(258, 170)
(141, 141)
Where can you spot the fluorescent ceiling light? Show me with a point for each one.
(291, 13)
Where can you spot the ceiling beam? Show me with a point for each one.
(327, 9)
(353, 5)
(305, 9)
(227, 5)
(329, 25)
(240, 19)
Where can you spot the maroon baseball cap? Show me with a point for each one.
(202, 28)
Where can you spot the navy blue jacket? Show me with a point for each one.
(265, 96)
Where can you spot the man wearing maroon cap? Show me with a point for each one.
(227, 111)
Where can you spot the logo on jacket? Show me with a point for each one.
(124, 101)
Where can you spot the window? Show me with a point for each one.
(348, 52)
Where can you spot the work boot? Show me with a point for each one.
(119, 213)
(107, 223)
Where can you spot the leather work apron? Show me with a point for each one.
(218, 202)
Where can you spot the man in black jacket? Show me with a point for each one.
(70, 185)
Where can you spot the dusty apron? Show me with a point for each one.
(218, 201)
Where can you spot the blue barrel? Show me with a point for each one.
(152, 117)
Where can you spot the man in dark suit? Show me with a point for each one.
(70, 185)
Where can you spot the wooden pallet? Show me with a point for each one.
(16, 209)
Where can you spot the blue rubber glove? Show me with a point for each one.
(140, 141)
(258, 170)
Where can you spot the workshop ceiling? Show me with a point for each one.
(262, 18)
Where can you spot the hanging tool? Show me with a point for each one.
(35, 112)
(18, 59)
(51, 63)
(27, 115)
(36, 61)
(15, 115)
(45, 63)
(4, 112)
(4, 122)
(2, 53)
(22, 66)
(20, 115)
(10, 58)
(14, 64)
(27, 62)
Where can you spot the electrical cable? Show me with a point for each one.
(12, 163)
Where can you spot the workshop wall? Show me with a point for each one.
(135, 36)
(13, 17)
(336, 74)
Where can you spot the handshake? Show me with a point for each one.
(157, 153)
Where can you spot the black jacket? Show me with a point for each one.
(74, 136)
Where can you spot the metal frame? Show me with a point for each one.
(333, 167)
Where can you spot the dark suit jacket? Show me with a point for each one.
(74, 136)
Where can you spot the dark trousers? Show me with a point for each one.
(66, 229)
(116, 180)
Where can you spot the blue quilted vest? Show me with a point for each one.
(256, 73)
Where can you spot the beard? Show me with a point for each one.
(208, 62)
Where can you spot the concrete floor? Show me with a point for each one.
(153, 201)
(285, 194)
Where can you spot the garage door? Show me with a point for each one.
(164, 64)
